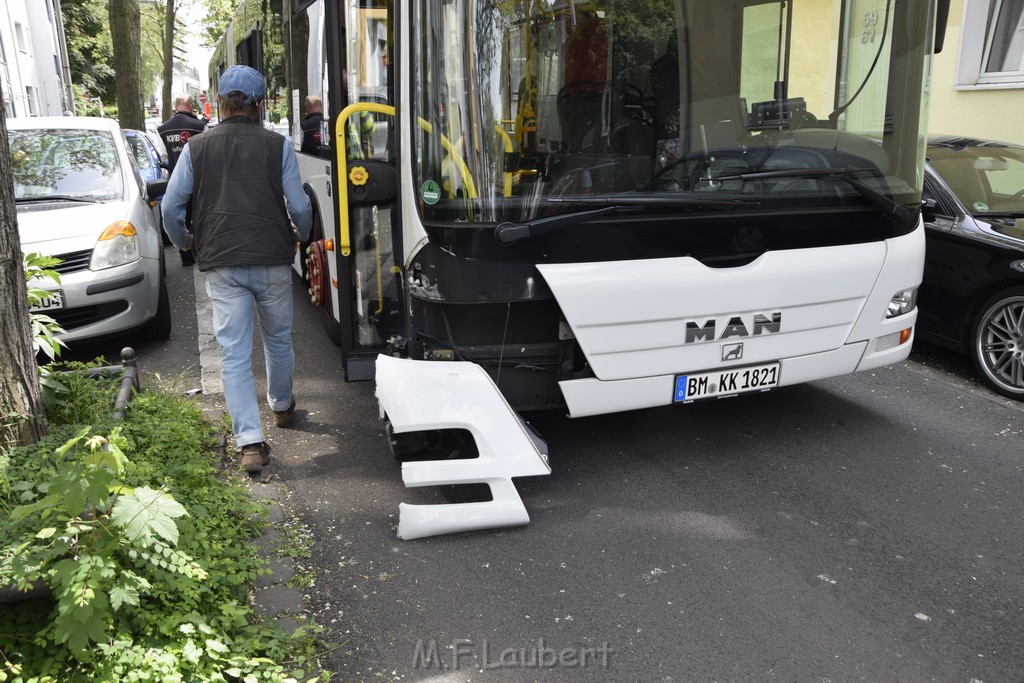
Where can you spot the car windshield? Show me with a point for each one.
(65, 163)
(987, 179)
(524, 107)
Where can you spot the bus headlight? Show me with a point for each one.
(902, 303)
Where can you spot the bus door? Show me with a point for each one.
(368, 250)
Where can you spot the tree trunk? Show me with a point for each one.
(126, 35)
(170, 14)
(21, 403)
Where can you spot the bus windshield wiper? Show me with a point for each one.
(889, 208)
(509, 232)
(55, 198)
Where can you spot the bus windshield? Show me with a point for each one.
(524, 107)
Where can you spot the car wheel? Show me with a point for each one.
(160, 326)
(997, 342)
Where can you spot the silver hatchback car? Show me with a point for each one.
(80, 198)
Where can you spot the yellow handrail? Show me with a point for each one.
(508, 150)
(467, 177)
(341, 155)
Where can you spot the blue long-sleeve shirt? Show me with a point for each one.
(180, 187)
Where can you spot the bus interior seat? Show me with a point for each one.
(579, 114)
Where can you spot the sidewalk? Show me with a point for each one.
(274, 595)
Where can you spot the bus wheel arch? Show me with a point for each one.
(316, 272)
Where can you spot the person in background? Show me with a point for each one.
(312, 129)
(176, 132)
(250, 211)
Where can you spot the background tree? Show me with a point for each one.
(174, 32)
(218, 15)
(170, 18)
(89, 47)
(19, 378)
(125, 33)
(152, 24)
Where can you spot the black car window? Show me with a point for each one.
(930, 193)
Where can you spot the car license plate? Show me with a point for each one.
(54, 303)
(722, 383)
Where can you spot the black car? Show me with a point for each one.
(972, 297)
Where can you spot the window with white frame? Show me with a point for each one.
(991, 44)
(5, 80)
(19, 35)
(30, 98)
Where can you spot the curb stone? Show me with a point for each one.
(270, 596)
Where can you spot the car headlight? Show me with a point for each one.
(118, 245)
(902, 303)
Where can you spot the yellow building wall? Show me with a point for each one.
(996, 114)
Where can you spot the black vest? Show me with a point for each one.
(311, 142)
(177, 131)
(239, 214)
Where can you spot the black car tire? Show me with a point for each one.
(997, 342)
(160, 326)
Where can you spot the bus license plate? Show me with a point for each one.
(721, 383)
(54, 303)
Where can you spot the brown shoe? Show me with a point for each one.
(284, 418)
(255, 456)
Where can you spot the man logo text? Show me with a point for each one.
(736, 326)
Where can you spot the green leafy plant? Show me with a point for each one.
(44, 329)
(144, 541)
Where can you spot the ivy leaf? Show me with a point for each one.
(216, 646)
(71, 442)
(145, 512)
(123, 595)
(70, 490)
(192, 652)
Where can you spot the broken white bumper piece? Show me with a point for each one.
(427, 395)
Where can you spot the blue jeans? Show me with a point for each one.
(233, 290)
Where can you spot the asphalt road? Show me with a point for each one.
(862, 528)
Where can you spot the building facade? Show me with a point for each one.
(977, 85)
(34, 73)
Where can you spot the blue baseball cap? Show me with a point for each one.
(243, 79)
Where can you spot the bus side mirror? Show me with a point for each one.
(371, 182)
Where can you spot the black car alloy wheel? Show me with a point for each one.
(997, 342)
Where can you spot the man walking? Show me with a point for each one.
(250, 210)
(176, 132)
